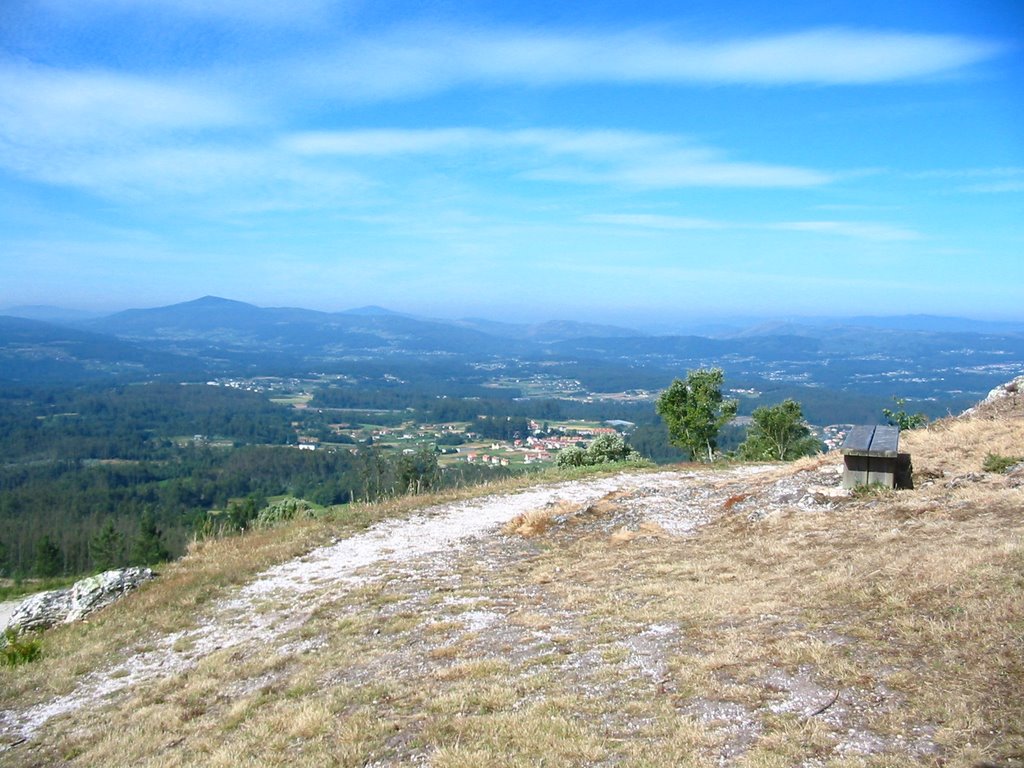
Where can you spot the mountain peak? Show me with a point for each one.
(373, 310)
(213, 301)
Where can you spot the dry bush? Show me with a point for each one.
(537, 521)
(646, 530)
(733, 500)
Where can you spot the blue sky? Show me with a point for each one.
(515, 160)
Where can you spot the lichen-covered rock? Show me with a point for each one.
(41, 610)
(59, 606)
(98, 591)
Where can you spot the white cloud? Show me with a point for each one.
(53, 107)
(428, 59)
(255, 12)
(215, 180)
(654, 221)
(363, 143)
(996, 187)
(842, 56)
(686, 169)
(1007, 179)
(127, 137)
(859, 230)
(624, 158)
(388, 141)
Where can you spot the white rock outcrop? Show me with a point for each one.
(1009, 389)
(61, 606)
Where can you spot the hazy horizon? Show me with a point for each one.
(650, 323)
(515, 161)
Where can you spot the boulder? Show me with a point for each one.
(41, 610)
(61, 606)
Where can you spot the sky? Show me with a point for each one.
(603, 161)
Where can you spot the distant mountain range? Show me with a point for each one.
(213, 336)
(49, 314)
(34, 351)
(215, 318)
(816, 326)
(213, 307)
(220, 335)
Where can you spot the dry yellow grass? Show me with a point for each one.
(583, 645)
(536, 521)
(959, 445)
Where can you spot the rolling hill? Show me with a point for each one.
(748, 615)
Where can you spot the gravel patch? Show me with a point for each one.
(318, 577)
(420, 551)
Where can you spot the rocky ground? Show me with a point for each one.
(750, 615)
(425, 546)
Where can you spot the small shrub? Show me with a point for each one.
(573, 456)
(872, 490)
(900, 418)
(18, 649)
(995, 462)
(528, 524)
(286, 509)
(606, 449)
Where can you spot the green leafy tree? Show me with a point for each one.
(695, 411)
(419, 471)
(375, 472)
(107, 548)
(49, 560)
(148, 546)
(778, 433)
(900, 418)
(242, 513)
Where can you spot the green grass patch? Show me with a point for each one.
(12, 589)
(997, 463)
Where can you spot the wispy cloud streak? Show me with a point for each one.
(43, 104)
(624, 158)
(245, 12)
(858, 230)
(425, 60)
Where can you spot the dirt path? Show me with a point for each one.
(267, 608)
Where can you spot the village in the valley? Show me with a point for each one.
(528, 442)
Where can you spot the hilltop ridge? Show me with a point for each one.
(748, 615)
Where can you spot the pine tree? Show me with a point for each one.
(148, 547)
(49, 560)
(107, 548)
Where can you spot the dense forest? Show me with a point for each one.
(133, 463)
(96, 475)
